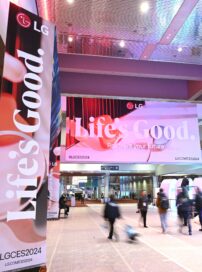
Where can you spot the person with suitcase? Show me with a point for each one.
(111, 213)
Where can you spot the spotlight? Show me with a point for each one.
(70, 39)
(70, 1)
(122, 44)
(144, 7)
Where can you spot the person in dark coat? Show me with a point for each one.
(143, 203)
(184, 208)
(63, 204)
(162, 210)
(111, 213)
(198, 205)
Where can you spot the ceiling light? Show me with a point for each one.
(70, 39)
(144, 7)
(70, 1)
(122, 43)
(179, 49)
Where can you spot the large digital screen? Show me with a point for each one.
(103, 130)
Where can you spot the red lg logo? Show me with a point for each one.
(130, 105)
(23, 20)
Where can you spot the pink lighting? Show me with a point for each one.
(45, 9)
(63, 103)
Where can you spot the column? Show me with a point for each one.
(155, 185)
(106, 185)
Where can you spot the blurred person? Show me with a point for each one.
(163, 204)
(198, 205)
(83, 198)
(149, 196)
(184, 208)
(102, 198)
(143, 203)
(63, 204)
(111, 213)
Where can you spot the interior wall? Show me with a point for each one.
(110, 85)
(98, 75)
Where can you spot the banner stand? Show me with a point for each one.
(25, 104)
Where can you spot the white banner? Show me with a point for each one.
(103, 130)
(25, 110)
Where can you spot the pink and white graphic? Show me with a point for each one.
(107, 130)
(25, 111)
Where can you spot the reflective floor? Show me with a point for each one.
(79, 243)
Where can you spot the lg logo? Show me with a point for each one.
(24, 20)
(43, 28)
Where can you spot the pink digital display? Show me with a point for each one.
(105, 130)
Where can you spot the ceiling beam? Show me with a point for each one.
(84, 64)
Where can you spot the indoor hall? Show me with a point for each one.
(79, 243)
(130, 73)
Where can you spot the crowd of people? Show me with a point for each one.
(187, 208)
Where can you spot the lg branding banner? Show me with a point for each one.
(25, 110)
(112, 130)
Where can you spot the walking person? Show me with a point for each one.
(63, 204)
(198, 205)
(143, 203)
(162, 203)
(184, 208)
(111, 213)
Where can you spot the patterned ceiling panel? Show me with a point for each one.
(96, 27)
(191, 31)
(188, 54)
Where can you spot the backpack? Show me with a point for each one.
(183, 202)
(164, 202)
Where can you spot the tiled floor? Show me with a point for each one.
(79, 244)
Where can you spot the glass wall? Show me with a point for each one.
(123, 186)
(130, 187)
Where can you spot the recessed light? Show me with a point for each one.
(144, 7)
(122, 43)
(70, 1)
(70, 39)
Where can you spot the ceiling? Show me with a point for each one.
(169, 31)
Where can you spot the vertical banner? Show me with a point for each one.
(54, 166)
(25, 111)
